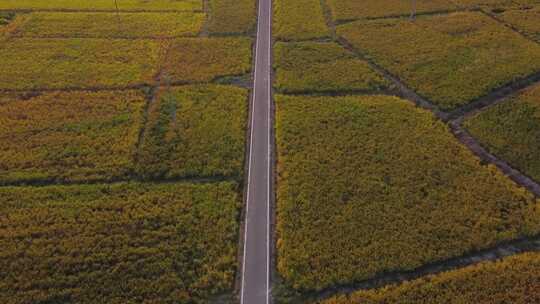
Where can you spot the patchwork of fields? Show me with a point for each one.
(122, 144)
(404, 146)
(373, 188)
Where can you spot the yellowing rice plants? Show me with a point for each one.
(346, 10)
(29, 64)
(511, 130)
(118, 243)
(372, 184)
(110, 25)
(195, 131)
(525, 20)
(449, 59)
(513, 280)
(304, 67)
(232, 16)
(69, 136)
(299, 20)
(206, 59)
(102, 5)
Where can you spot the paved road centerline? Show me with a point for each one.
(256, 259)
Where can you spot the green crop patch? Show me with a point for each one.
(103, 5)
(118, 243)
(305, 67)
(370, 185)
(514, 279)
(110, 25)
(6, 18)
(450, 59)
(206, 59)
(77, 63)
(75, 136)
(511, 130)
(195, 131)
(232, 16)
(345, 10)
(525, 20)
(299, 20)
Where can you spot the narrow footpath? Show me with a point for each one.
(255, 288)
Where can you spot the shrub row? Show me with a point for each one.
(110, 25)
(299, 20)
(513, 279)
(118, 243)
(511, 130)
(232, 16)
(74, 136)
(450, 59)
(89, 63)
(195, 131)
(346, 10)
(372, 184)
(322, 67)
(102, 5)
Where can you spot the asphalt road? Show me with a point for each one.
(256, 259)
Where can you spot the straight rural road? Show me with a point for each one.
(255, 287)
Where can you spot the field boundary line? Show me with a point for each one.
(112, 10)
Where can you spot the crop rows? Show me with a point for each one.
(512, 280)
(121, 159)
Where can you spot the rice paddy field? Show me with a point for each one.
(390, 135)
(121, 159)
(405, 150)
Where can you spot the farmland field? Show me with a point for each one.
(449, 59)
(511, 130)
(195, 131)
(299, 20)
(512, 280)
(70, 136)
(122, 145)
(525, 20)
(345, 10)
(109, 25)
(31, 64)
(102, 5)
(372, 184)
(117, 243)
(322, 67)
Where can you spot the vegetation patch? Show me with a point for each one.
(345, 10)
(103, 5)
(450, 59)
(205, 59)
(299, 20)
(195, 131)
(77, 63)
(513, 279)
(322, 67)
(511, 130)
(371, 185)
(119, 243)
(525, 20)
(232, 16)
(111, 25)
(6, 18)
(75, 136)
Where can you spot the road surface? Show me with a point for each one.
(255, 287)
